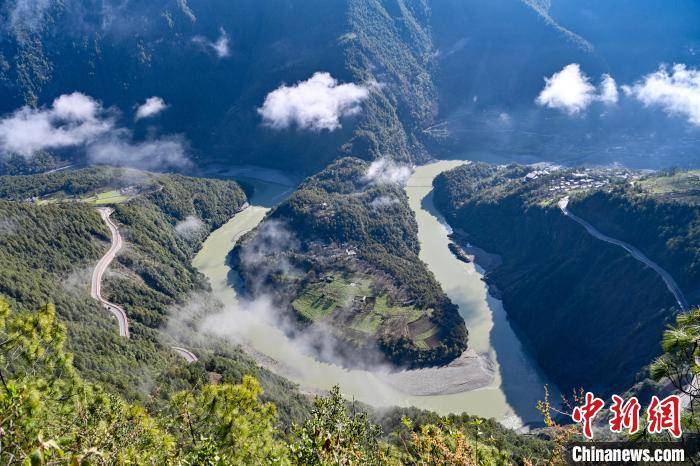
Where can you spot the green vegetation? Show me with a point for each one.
(50, 415)
(672, 185)
(390, 42)
(573, 297)
(372, 313)
(660, 215)
(47, 253)
(678, 365)
(66, 184)
(320, 299)
(107, 197)
(334, 233)
(364, 41)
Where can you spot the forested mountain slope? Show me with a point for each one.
(659, 214)
(50, 415)
(342, 254)
(580, 302)
(214, 63)
(117, 399)
(52, 237)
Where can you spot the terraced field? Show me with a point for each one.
(352, 305)
(683, 186)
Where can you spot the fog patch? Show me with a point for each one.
(608, 90)
(8, 227)
(185, 317)
(383, 202)
(266, 255)
(190, 227)
(386, 171)
(571, 90)
(72, 120)
(78, 282)
(118, 150)
(28, 14)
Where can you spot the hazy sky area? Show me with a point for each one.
(501, 98)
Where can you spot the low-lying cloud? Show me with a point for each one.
(676, 91)
(571, 90)
(608, 90)
(315, 104)
(190, 227)
(151, 107)
(72, 120)
(385, 170)
(383, 202)
(77, 121)
(147, 155)
(221, 47)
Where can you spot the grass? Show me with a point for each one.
(107, 197)
(382, 307)
(682, 186)
(320, 299)
(368, 323)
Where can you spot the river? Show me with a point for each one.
(508, 384)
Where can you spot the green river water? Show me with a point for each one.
(517, 384)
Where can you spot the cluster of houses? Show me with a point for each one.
(565, 181)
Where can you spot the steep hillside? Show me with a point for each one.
(52, 237)
(342, 255)
(659, 214)
(214, 63)
(50, 415)
(579, 302)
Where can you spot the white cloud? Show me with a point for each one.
(78, 121)
(221, 47)
(72, 120)
(153, 106)
(316, 104)
(571, 90)
(384, 170)
(608, 90)
(190, 227)
(677, 91)
(147, 155)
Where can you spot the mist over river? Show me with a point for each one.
(494, 378)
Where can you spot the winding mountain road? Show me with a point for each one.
(96, 284)
(633, 251)
(187, 354)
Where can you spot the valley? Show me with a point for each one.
(552, 266)
(311, 232)
(496, 378)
